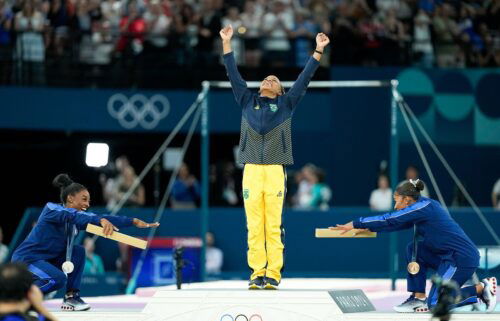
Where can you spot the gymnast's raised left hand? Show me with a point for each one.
(141, 224)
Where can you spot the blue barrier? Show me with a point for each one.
(304, 254)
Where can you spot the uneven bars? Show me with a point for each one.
(315, 84)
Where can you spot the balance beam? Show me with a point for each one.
(119, 237)
(327, 233)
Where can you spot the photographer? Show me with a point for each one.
(18, 295)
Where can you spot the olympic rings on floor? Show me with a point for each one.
(241, 317)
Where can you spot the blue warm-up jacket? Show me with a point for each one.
(266, 122)
(440, 234)
(47, 240)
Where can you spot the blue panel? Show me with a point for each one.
(305, 255)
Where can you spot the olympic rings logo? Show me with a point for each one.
(138, 110)
(241, 317)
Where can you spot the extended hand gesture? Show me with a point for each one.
(321, 41)
(141, 224)
(226, 33)
(342, 227)
(348, 227)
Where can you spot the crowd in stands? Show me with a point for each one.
(311, 190)
(448, 33)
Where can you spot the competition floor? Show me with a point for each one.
(133, 307)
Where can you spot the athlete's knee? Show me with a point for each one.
(56, 281)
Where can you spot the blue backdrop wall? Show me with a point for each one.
(304, 254)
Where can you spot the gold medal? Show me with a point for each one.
(413, 268)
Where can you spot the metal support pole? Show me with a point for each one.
(393, 164)
(205, 160)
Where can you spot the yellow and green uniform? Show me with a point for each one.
(265, 149)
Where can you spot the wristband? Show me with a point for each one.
(320, 52)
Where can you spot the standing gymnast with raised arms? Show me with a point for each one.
(45, 248)
(265, 149)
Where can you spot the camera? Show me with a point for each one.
(448, 295)
(179, 265)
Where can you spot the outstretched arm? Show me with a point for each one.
(60, 214)
(241, 92)
(388, 222)
(299, 87)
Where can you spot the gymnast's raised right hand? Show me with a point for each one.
(226, 33)
(141, 224)
(107, 227)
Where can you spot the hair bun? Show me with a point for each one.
(420, 185)
(62, 181)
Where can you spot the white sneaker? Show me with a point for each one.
(489, 295)
(74, 303)
(411, 305)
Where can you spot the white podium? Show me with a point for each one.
(255, 305)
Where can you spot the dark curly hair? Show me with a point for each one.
(66, 186)
(411, 188)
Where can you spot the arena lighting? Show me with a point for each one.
(97, 154)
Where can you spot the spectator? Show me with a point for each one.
(303, 179)
(132, 29)
(123, 260)
(492, 16)
(186, 190)
(226, 184)
(114, 189)
(495, 195)
(30, 46)
(4, 250)
(446, 31)
(252, 21)
(320, 192)
(312, 192)
(381, 198)
(111, 11)
(6, 16)
(387, 5)
(427, 5)
(413, 173)
(184, 35)
(459, 199)
(214, 256)
(393, 40)
(303, 33)
(233, 18)
(59, 16)
(93, 262)
(157, 25)
(277, 26)
(346, 49)
(209, 24)
(371, 30)
(59, 33)
(81, 26)
(423, 51)
(18, 295)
